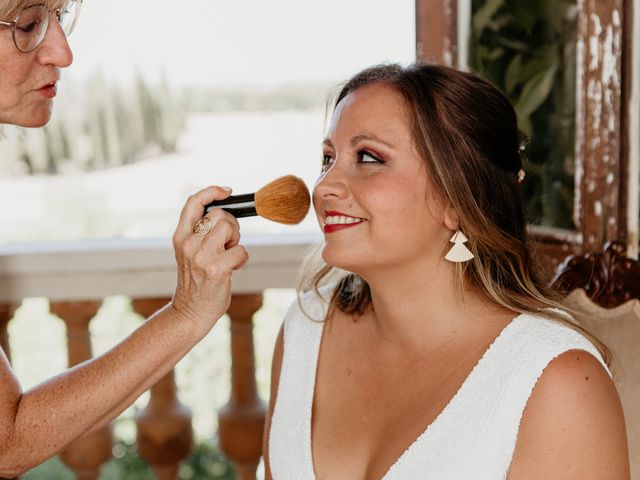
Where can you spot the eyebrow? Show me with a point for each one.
(358, 138)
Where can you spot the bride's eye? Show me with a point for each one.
(326, 162)
(368, 157)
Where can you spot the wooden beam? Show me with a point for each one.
(602, 153)
(437, 31)
(633, 127)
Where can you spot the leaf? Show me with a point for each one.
(541, 59)
(525, 125)
(536, 91)
(512, 77)
(526, 13)
(495, 54)
(517, 45)
(483, 15)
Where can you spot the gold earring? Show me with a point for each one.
(459, 253)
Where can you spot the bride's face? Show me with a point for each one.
(374, 199)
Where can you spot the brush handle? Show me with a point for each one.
(237, 205)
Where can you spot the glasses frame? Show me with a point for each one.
(57, 12)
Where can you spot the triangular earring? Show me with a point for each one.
(459, 253)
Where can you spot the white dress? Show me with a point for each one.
(472, 438)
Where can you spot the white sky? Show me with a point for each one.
(223, 42)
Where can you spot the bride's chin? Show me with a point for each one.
(342, 261)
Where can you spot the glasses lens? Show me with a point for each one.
(69, 15)
(31, 27)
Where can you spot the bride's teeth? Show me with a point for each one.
(341, 220)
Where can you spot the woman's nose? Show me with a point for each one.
(333, 183)
(54, 49)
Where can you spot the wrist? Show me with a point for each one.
(198, 323)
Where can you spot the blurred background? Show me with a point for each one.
(165, 98)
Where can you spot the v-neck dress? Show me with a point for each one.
(472, 438)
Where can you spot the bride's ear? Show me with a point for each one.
(450, 219)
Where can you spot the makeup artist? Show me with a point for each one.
(37, 423)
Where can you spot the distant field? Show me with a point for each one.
(243, 150)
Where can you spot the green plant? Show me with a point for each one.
(205, 463)
(527, 48)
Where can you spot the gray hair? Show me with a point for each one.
(10, 9)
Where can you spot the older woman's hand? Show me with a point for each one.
(206, 261)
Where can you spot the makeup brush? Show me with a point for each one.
(284, 200)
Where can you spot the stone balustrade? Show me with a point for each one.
(75, 277)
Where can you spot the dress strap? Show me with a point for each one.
(290, 434)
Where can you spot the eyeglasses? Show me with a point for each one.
(31, 24)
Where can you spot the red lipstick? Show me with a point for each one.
(333, 227)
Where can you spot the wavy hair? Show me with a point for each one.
(466, 132)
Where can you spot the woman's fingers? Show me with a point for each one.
(234, 258)
(193, 209)
(206, 260)
(225, 230)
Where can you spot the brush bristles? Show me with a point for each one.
(285, 200)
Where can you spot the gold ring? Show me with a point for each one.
(202, 227)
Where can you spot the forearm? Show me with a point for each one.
(52, 414)
(39, 423)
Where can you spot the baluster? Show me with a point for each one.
(241, 420)
(86, 455)
(165, 434)
(6, 314)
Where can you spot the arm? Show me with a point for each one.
(276, 365)
(573, 425)
(38, 423)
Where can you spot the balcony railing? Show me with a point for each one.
(77, 276)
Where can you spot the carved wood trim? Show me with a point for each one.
(609, 278)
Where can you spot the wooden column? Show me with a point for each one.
(603, 82)
(165, 433)
(437, 31)
(86, 455)
(6, 314)
(242, 418)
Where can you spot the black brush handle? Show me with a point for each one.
(237, 205)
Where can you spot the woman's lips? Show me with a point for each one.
(335, 221)
(339, 226)
(48, 91)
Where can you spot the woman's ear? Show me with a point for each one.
(450, 219)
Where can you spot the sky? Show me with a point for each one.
(241, 42)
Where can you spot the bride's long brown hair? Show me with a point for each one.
(466, 132)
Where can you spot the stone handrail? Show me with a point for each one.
(94, 269)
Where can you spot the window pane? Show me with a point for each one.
(528, 50)
(167, 97)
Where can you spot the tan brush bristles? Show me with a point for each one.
(285, 200)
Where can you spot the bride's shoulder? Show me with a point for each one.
(573, 420)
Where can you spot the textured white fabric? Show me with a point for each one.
(472, 438)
